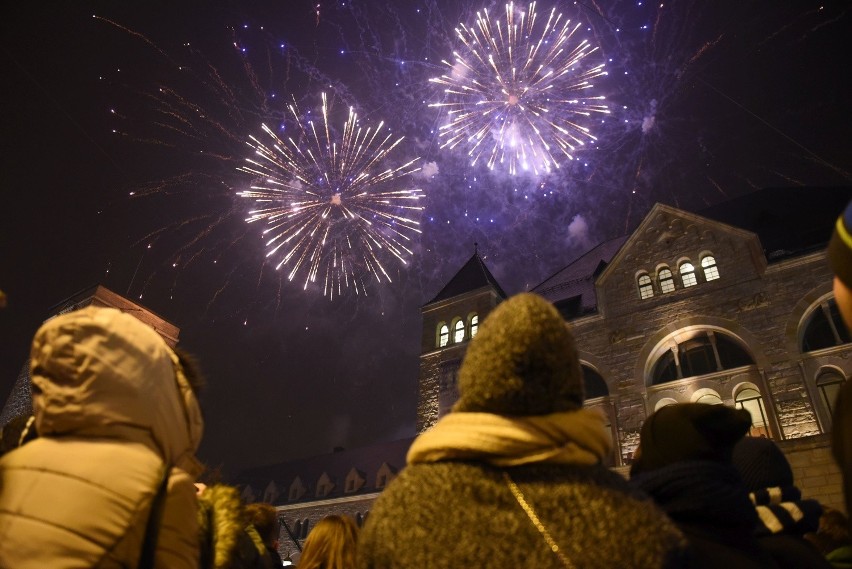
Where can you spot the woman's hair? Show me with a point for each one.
(331, 544)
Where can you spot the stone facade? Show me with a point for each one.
(686, 308)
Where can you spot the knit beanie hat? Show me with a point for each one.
(689, 431)
(761, 464)
(522, 362)
(840, 247)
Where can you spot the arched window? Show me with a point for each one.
(458, 334)
(750, 400)
(443, 335)
(594, 384)
(666, 280)
(474, 325)
(687, 275)
(664, 402)
(824, 328)
(707, 397)
(306, 526)
(703, 353)
(711, 271)
(829, 382)
(297, 528)
(646, 288)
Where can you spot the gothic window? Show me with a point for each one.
(687, 275)
(594, 384)
(711, 271)
(824, 328)
(443, 335)
(458, 333)
(474, 325)
(646, 288)
(297, 528)
(829, 382)
(705, 352)
(306, 525)
(750, 400)
(666, 281)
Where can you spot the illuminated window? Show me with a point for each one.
(664, 402)
(711, 272)
(666, 281)
(687, 275)
(646, 288)
(824, 328)
(709, 398)
(458, 334)
(474, 325)
(829, 383)
(750, 400)
(443, 336)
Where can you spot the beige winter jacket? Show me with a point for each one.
(112, 408)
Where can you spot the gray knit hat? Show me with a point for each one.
(522, 362)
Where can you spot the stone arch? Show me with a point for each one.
(796, 321)
(685, 327)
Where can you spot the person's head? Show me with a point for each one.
(96, 371)
(331, 544)
(522, 362)
(264, 518)
(761, 464)
(689, 431)
(840, 259)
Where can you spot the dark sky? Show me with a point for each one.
(708, 101)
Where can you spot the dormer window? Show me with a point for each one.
(666, 281)
(687, 275)
(711, 271)
(646, 288)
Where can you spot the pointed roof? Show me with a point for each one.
(473, 275)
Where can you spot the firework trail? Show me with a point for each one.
(513, 94)
(335, 213)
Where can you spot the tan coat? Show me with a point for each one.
(112, 407)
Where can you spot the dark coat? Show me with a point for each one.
(710, 505)
(463, 514)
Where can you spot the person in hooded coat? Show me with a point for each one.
(513, 476)
(118, 427)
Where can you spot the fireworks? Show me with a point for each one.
(335, 212)
(513, 91)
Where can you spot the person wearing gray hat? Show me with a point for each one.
(513, 476)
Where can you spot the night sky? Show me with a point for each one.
(122, 134)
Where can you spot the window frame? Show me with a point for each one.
(688, 278)
(666, 283)
(710, 270)
(645, 284)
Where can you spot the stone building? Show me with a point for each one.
(732, 305)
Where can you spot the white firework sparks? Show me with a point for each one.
(336, 214)
(513, 92)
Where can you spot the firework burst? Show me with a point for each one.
(335, 213)
(513, 92)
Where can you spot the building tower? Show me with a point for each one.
(450, 320)
(19, 401)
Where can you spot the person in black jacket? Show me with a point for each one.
(784, 516)
(684, 463)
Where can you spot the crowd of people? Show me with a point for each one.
(104, 473)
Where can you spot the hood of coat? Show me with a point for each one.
(98, 372)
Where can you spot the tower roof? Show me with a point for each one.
(473, 275)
